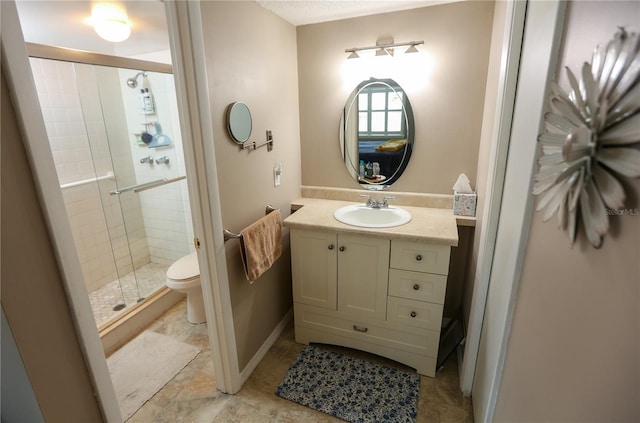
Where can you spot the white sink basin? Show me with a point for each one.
(367, 217)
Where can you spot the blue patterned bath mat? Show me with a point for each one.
(351, 389)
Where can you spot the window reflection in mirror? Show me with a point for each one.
(376, 133)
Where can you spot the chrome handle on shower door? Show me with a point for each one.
(147, 185)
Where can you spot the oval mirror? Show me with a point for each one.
(376, 133)
(239, 122)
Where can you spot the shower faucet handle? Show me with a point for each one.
(163, 160)
(148, 159)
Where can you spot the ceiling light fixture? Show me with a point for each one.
(384, 49)
(110, 22)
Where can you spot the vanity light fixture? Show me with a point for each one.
(412, 49)
(384, 49)
(110, 22)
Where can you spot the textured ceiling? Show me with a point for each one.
(303, 12)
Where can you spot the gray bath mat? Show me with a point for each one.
(351, 389)
(143, 366)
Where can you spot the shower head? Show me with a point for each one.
(133, 82)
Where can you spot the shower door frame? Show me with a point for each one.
(196, 126)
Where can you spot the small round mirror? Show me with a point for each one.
(239, 122)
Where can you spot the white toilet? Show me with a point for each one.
(184, 276)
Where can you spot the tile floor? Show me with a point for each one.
(126, 290)
(191, 395)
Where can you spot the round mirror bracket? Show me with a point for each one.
(239, 127)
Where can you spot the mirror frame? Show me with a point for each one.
(239, 122)
(353, 167)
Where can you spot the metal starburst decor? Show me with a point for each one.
(591, 139)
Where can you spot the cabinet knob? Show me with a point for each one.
(416, 287)
(330, 246)
(360, 329)
(413, 314)
(419, 257)
(342, 248)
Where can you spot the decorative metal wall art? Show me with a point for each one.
(591, 139)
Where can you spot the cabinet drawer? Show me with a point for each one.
(417, 285)
(412, 339)
(414, 313)
(420, 257)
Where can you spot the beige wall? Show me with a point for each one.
(251, 57)
(447, 101)
(575, 340)
(33, 296)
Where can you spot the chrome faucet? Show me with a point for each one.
(374, 204)
(384, 203)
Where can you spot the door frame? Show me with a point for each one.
(189, 66)
(509, 67)
(544, 22)
(187, 48)
(29, 114)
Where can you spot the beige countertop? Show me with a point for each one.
(433, 225)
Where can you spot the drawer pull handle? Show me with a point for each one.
(419, 257)
(416, 287)
(342, 248)
(360, 329)
(413, 314)
(330, 246)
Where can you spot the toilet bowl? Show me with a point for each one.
(184, 276)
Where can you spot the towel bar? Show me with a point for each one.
(231, 235)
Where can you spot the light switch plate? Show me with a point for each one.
(277, 171)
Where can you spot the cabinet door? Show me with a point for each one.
(314, 268)
(363, 275)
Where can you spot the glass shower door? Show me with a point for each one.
(110, 277)
(125, 238)
(148, 206)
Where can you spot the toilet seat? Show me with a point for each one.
(183, 285)
(184, 270)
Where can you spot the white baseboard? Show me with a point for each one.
(259, 355)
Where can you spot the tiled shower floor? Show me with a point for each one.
(127, 290)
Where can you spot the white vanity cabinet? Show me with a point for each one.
(370, 293)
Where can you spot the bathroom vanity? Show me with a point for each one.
(379, 290)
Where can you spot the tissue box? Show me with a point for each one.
(464, 204)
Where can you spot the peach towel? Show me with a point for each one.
(261, 245)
